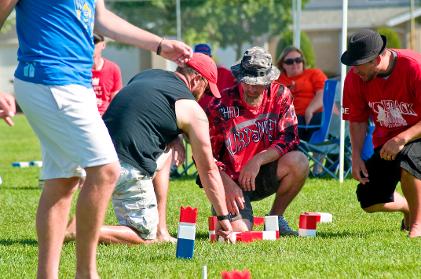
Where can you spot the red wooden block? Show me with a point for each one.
(188, 214)
(314, 213)
(258, 221)
(212, 223)
(236, 274)
(308, 222)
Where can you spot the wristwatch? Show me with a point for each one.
(224, 217)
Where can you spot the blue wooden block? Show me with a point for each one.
(185, 248)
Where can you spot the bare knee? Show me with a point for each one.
(105, 174)
(293, 163)
(370, 209)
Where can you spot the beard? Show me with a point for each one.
(370, 76)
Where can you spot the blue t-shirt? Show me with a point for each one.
(55, 41)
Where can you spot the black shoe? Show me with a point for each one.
(174, 173)
(404, 226)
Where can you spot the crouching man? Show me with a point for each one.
(143, 119)
(254, 137)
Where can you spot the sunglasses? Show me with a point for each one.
(296, 60)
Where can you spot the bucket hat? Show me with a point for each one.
(255, 67)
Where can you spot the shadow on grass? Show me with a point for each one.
(24, 188)
(345, 234)
(10, 242)
(202, 236)
(327, 235)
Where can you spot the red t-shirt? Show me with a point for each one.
(239, 131)
(225, 80)
(393, 102)
(304, 87)
(106, 83)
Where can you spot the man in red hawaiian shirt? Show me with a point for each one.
(254, 137)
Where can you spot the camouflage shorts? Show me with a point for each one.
(134, 202)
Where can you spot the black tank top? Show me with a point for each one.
(141, 118)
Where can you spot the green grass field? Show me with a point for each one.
(355, 245)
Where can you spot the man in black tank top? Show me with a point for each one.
(144, 119)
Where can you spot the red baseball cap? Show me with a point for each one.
(205, 66)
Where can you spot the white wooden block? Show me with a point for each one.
(271, 223)
(186, 231)
(269, 235)
(304, 232)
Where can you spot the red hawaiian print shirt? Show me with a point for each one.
(238, 131)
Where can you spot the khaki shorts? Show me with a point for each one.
(135, 203)
(68, 125)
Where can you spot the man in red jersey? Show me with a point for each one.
(106, 76)
(254, 136)
(386, 85)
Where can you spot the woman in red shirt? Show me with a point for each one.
(306, 86)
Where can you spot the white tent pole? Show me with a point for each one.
(412, 30)
(343, 73)
(296, 12)
(178, 15)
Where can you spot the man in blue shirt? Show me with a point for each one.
(53, 87)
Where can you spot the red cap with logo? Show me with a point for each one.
(206, 67)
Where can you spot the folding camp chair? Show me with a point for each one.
(321, 141)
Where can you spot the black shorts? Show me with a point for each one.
(384, 175)
(267, 183)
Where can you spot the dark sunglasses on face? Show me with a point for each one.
(291, 61)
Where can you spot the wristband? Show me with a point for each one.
(159, 48)
(223, 217)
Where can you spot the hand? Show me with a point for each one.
(234, 197)
(179, 152)
(247, 178)
(359, 171)
(225, 230)
(7, 108)
(176, 51)
(391, 148)
(308, 115)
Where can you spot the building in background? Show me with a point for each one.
(322, 21)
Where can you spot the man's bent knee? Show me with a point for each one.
(108, 173)
(294, 162)
(370, 209)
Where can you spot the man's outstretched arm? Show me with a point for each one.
(7, 7)
(110, 25)
(192, 120)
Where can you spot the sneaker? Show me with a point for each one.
(284, 228)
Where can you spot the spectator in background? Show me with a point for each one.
(106, 76)
(225, 77)
(7, 108)
(306, 86)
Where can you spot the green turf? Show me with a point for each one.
(356, 244)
